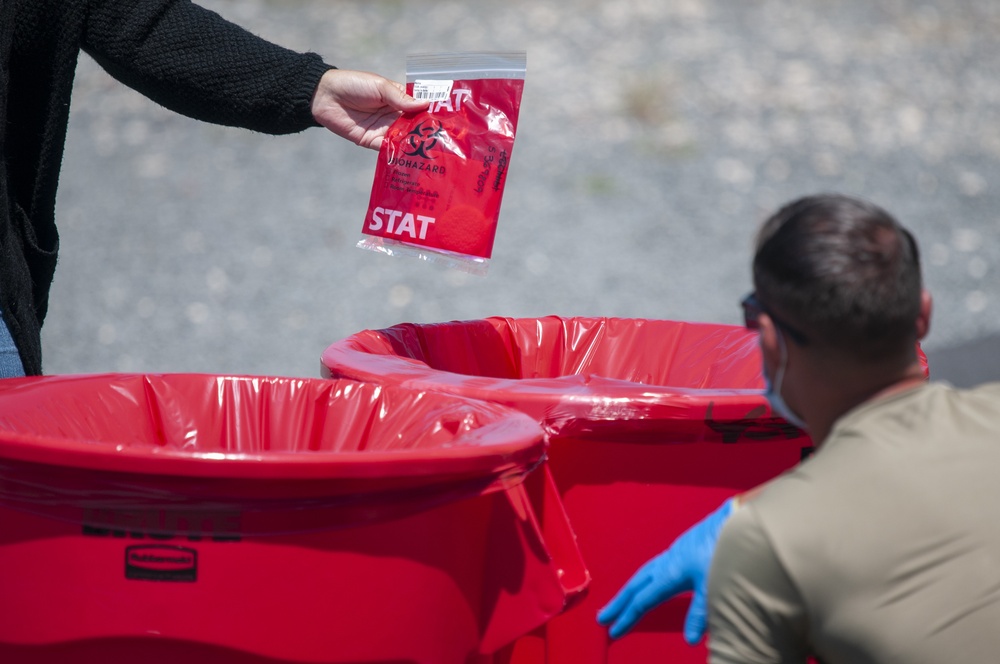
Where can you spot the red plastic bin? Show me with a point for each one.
(652, 425)
(197, 518)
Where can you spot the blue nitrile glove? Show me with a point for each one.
(682, 567)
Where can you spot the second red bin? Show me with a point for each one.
(652, 425)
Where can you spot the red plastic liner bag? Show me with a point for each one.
(441, 172)
(197, 518)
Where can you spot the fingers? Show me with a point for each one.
(697, 618)
(642, 603)
(361, 106)
(620, 601)
(682, 567)
(660, 579)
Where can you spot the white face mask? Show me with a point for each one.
(773, 391)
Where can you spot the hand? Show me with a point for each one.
(360, 106)
(682, 567)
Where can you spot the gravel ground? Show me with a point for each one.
(654, 137)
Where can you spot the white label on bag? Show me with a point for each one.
(432, 90)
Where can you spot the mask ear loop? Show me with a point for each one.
(778, 403)
(779, 377)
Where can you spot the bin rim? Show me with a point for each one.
(524, 445)
(351, 360)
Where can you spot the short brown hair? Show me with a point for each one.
(844, 270)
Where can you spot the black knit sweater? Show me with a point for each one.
(178, 54)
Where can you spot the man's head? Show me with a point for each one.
(844, 273)
(839, 306)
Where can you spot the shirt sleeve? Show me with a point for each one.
(756, 615)
(194, 62)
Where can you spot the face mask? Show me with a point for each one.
(773, 391)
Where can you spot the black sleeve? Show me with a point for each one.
(194, 62)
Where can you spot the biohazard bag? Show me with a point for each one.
(441, 172)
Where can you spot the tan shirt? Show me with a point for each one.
(882, 547)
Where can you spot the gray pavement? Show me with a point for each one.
(654, 137)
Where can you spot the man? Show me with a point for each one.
(882, 546)
(180, 55)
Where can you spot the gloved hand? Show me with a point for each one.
(682, 567)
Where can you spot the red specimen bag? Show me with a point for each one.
(441, 173)
(250, 520)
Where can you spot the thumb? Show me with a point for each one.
(697, 618)
(395, 96)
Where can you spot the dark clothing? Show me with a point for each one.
(180, 55)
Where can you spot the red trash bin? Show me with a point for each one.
(652, 425)
(198, 518)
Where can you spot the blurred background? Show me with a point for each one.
(654, 137)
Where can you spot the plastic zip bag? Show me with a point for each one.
(441, 172)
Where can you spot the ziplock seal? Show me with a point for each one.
(441, 66)
(470, 264)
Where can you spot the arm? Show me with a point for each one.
(194, 62)
(756, 615)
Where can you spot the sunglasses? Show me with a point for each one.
(752, 309)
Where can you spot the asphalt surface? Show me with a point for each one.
(653, 138)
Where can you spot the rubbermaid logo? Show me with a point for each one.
(161, 563)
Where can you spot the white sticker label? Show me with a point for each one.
(432, 90)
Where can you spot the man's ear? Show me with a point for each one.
(924, 317)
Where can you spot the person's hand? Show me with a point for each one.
(682, 567)
(360, 106)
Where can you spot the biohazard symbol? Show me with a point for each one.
(422, 138)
